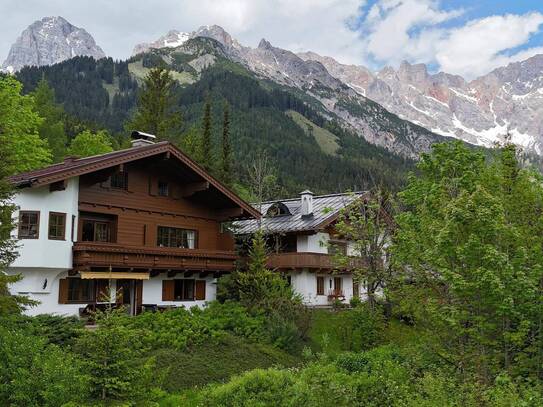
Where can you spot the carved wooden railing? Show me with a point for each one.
(90, 254)
(298, 260)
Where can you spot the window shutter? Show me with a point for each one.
(168, 290)
(153, 186)
(102, 290)
(200, 291)
(63, 291)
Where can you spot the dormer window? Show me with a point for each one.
(119, 180)
(277, 209)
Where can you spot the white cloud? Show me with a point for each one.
(478, 47)
(413, 30)
(389, 24)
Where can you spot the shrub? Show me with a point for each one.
(362, 329)
(34, 373)
(255, 388)
(114, 357)
(355, 302)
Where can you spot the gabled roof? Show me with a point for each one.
(79, 166)
(326, 209)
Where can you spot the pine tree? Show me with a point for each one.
(226, 163)
(52, 127)
(206, 152)
(155, 112)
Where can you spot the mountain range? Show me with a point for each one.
(403, 110)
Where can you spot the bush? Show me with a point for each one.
(216, 362)
(255, 388)
(362, 328)
(34, 373)
(355, 302)
(181, 328)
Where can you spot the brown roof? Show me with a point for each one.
(80, 166)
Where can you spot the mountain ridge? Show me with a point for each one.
(49, 41)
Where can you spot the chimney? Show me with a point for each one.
(307, 203)
(140, 139)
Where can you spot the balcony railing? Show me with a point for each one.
(298, 260)
(89, 254)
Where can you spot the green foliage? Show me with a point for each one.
(113, 356)
(257, 121)
(226, 151)
(87, 144)
(52, 127)
(206, 147)
(368, 227)
(472, 238)
(216, 361)
(19, 125)
(155, 112)
(181, 328)
(33, 373)
(255, 388)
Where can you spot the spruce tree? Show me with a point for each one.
(226, 157)
(155, 112)
(52, 127)
(205, 146)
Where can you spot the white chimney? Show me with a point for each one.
(307, 203)
(140, 139)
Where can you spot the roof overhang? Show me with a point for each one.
(74, 168)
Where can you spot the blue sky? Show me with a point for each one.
(464, 37)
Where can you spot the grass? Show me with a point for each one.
(140, 72)
(325, 139)
(217, 362)
(324, 332)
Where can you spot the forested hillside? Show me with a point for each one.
(103, 95)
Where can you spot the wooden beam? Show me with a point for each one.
(191, 189)
(229, 213)
(57, 186)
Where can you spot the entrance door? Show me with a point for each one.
(129, 294)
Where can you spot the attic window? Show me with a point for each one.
(277, 209)
(119, 180)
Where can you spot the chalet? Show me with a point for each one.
(144, 221)
(301, 236)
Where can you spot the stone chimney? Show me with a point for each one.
(307, 203)
(140, 139)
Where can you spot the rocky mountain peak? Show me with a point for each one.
(264, 44)
(49, 41)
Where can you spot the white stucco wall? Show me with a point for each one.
(316, 243)
(152, 291)
(32, 286)
(42, 252)
(305, 284)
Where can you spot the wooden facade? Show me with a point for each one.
(157, 192)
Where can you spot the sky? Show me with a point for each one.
(464, 37)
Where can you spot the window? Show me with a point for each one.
(163, 188)
(81, 290)
(320, 285)
(183, 290)
(175, 237)
(337, 285)
(96, 231)
(29, 224)
(119, 180)
(57, 225)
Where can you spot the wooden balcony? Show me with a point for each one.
(303, 260)
(88, 255)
